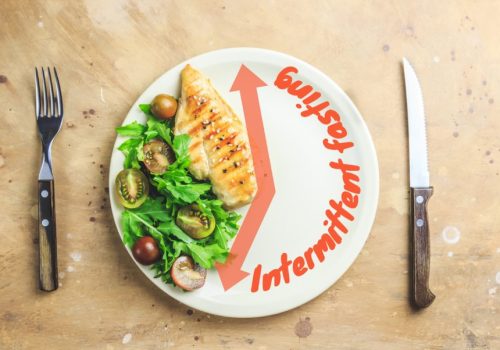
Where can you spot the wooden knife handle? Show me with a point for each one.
(47, 236)
(421, 296)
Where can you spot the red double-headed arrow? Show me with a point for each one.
(246, 83)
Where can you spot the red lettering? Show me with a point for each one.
(339, 210)
(335, 220)
(294, 89)
(269, 277)
(329, 115)
(323, 245)
(337, 130)
(308, 256)
(349, 199)
(316, 110)
(285, 263)
(337, 146)
(312, 97)
(298, 266)
(336, 237)
(256, 278)
(283, 80)
(347, 176)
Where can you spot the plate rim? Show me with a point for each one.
(358, 118)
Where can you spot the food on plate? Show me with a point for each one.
(185, 169)
(219, 148)
(164, 106)
(194, 222)
(132, 188)
(186, 274)
(146, 250)
(157, 156)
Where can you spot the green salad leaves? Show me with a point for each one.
(171, 191)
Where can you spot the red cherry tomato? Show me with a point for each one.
(186, 274)
(146, 250)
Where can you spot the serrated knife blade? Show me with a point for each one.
(419, 169)
(420, 191)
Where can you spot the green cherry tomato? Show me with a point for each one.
(132, 188)
(196, 224)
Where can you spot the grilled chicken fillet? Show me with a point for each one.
(219, 147)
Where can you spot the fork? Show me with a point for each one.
(49, 116)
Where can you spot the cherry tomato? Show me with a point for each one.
(132, 188)
(157, 156)
(164, 106)
(196, 224)
(186, 274)
(146, 250)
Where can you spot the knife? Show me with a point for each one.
(420, 191)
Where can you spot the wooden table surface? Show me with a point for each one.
(110, 51)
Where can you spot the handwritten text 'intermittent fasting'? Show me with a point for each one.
(338, 211)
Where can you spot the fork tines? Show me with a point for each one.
(48, 105)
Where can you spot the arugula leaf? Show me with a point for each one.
(145, 107)
(221, 237)
(130, 149)
(150, 134)
(226, 222)
(207, 255)
(131, 229)
(172, 190)
(170, 228)
(158, 128)
(152, 217)
(133, 129)
(178, 176)
(180, 186)
(152, 208)
(187, 193)
(181, 145)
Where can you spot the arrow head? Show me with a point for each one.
(246, 80)
(230, 273)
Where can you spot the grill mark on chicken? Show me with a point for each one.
(232, 157)
(195, 159)
(226, 162)
(219, 145)
(195, 144)
(199, 109)
(228, 140)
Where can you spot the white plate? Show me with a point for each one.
(303, 179)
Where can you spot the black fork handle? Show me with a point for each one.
(47, 236)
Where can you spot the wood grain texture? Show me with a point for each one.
(420, 294)
(108, 52)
